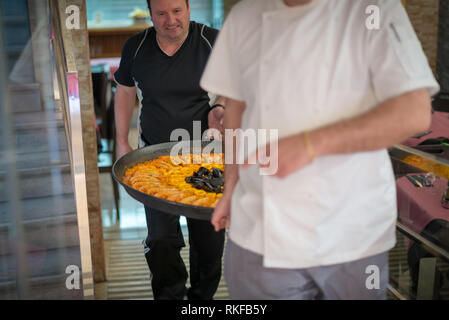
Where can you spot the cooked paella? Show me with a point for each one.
(195, 179)
(427, 165)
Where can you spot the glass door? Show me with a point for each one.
(44, 231)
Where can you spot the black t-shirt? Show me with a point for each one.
(167, 86)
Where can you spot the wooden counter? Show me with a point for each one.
(108, 42)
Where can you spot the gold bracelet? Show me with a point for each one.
(309, 146)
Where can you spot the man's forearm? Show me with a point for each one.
(123, 110)
(390, 123)
(232, 120)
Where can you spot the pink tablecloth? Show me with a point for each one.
(419, 206)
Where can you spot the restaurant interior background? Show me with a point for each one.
(68, 231)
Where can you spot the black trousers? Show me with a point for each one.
(162, 252)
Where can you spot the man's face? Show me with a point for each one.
(171, 18)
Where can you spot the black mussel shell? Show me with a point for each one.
(210, 181)
(198, 184)
(216, 182)
(208, 187)
(217, 173)
(203, 172)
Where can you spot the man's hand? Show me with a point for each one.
(232, 120)
(292, 156)
(221, 217)
(215, 119)
(123, 148)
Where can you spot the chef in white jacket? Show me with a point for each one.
(339, 92)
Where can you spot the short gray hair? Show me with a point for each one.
(149, 6)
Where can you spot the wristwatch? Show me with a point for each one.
(216, 105)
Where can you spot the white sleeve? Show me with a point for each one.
(396, 59)
(221, 75)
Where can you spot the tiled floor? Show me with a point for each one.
(128, 275)
(132, 213)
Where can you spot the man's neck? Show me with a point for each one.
(170, 47)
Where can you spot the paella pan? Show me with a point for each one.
(151, 153)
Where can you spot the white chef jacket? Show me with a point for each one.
(300, 68)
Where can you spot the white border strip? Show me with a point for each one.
(202, 29)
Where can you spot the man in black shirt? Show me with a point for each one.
(163, 65)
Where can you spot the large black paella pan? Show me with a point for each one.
(152, 152)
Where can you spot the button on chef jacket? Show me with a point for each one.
(301, 68)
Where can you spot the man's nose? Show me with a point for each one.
(171, 19)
